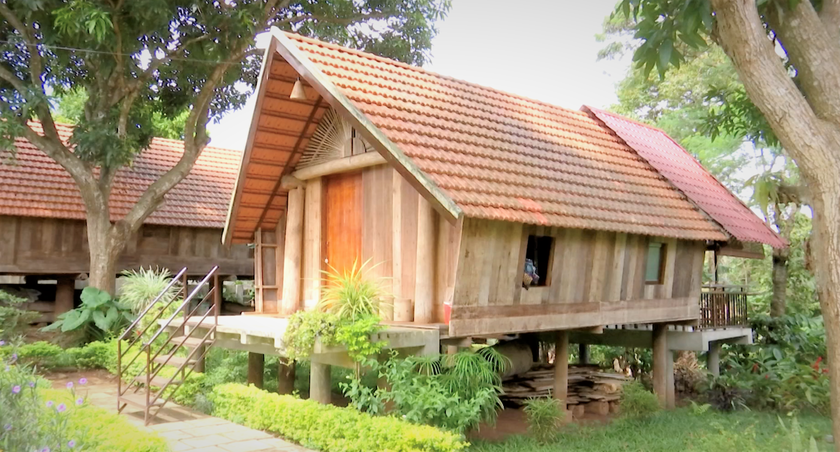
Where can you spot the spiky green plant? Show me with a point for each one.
(143, 285)
(544, 415)
(352, 293)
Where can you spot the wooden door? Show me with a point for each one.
(342, 227)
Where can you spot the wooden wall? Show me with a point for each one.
(389, 217)
(596, 278)
(51, 246)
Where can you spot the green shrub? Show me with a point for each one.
(636, 401)
(101, 431)
(544, 416)
(327, 428)
(95, 355)
(41, 354)
(13, 321)
(352, 294)
(45, 355)
(141, 287)
(99, 316)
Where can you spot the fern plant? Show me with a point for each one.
(353, 293)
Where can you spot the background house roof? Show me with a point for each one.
(500, 156)
(34, 185)
(684, 171)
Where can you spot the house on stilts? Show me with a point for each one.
(455, 191)
(43, 238)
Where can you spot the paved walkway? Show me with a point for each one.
(186, 430)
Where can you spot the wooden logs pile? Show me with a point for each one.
(588, 385)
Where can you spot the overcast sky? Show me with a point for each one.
(543, 49)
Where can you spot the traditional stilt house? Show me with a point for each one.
(42, 228)
(489, 213)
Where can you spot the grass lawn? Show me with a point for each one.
(677, 430)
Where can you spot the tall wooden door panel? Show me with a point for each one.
(342, 227)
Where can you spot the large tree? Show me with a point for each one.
(787, 55)
(140, 59)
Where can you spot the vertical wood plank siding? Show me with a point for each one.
(30, 245)
(586, 267)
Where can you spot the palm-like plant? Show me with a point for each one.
(143, 285)
(353, 293)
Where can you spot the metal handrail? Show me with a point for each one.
(187, 316)
(149, 306)
(184, 303)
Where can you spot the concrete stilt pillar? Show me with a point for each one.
(319, 383)
(660, 363)
(583, 354)
(285, 376)
(670, 390)
(65, 292)
(256, 369)
(561, 366)
(199, 357)
(713, 358)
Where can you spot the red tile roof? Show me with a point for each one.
(684, 171)
(500, 156)
(36, 186)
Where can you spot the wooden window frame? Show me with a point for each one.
(663, 256)
(550, 265)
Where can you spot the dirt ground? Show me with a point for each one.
(512, 421)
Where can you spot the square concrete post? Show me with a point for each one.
(713, 358)
(319, 383)
(256, 369)
(65, 293)
(660, 363)
(561, 367)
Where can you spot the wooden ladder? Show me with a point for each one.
(146, 387)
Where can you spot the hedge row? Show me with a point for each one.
(327, 428)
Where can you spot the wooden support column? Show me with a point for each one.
(319, 383)
(561, 367)
(660, 362)
(65, 291)
(713, 358)
(670, 390)
(293, 252)
(285, 376)
(425, 263)
(583, 354)
(256, 369)
(312, 260)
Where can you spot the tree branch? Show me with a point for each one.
(830, 17)
(814, 54)
(741, 33)
(335, 20)
(36, 65)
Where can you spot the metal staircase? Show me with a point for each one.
(179, 352)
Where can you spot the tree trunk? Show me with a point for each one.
(780, 276)
(804, 127)
(105, 245)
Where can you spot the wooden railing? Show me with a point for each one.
(722, 305)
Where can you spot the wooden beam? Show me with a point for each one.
(561, 367)
(293, 252)
(256, 369)
(424, 269)
(342, 165)
(660, 365)
(289, 182)
(65, 291)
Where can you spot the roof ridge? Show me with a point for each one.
(422, 70)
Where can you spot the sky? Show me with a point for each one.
(543, 49)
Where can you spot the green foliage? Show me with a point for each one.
(140, 287)
(44, 355)
(794, 437)
(324, 427)
(727, 392)
(99, 315)
(351, 294)
(304, 328)
(637, 402)
(35, 418)
(356, 336)
(544, 416)
(673, 430)
(13, 320)
(454, 392)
